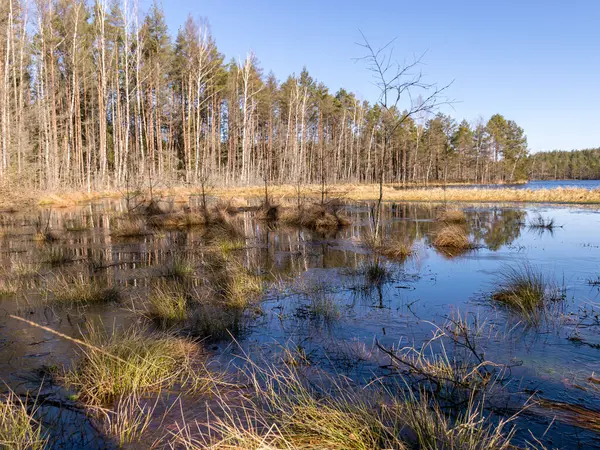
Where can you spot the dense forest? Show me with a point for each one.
(565, 165)
(97, 95)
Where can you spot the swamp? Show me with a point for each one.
(235, 325)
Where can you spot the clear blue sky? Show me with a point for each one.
(536, 62)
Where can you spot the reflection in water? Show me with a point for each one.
(336, 331)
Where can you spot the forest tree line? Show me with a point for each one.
(98, 95)
(565, 165)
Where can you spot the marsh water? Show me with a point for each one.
(555, 360)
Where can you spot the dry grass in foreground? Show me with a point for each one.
(135, 362)
(18, 429)
(288, 412)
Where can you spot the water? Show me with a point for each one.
(537, 185)
(555, 359)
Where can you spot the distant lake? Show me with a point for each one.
(536, 185)
(551, 184)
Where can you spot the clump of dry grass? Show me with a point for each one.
(180, 268)
(18, 429)
(288, 412)
(77, 290)
(453, 216)
(129, 227)
(22, 268)
(321, 218)
(396, 248)
(135, 362)
(453, 237)
(526, 291)
(267, 212)
(241, 287)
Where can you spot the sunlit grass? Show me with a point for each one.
(453, 237)
(288, 412)
(167, 305)
(78, 290)
(18, 429)
(135, 361)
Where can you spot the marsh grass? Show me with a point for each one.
(526, 291)
(45, 236)
(449, 216)
(18, 429)
(180, 268)
(8, 288)
(78, 290)
(168, 305)
(324, 306)
(396, 248)
(129, 419)
(22, 268)
(135, 362)
(376, 272)
(453, 240)
(314, 216)
(130, 227)
(541, 223)
(75, 226)
(242, 287)
(288, 412)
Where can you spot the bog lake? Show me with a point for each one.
(317, 306)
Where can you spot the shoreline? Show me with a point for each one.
(352, 192)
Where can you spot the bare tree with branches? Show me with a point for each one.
(398, 84)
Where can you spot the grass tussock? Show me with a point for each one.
(526, 291)
(8, 288)
(542, 223)
(287, 412)
(456, 216)
(18, 429)
(135, 362)
(168, 305)
(396, 248)
(130, 227)
(314, 216)
(179, 268)
(323, 306)
(22, 268)
(241, 287)
(77, 290)
(453, 237)
(376, 272)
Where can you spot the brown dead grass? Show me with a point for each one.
(453, 237)
(347, 191)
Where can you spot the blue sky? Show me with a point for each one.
(536, 62)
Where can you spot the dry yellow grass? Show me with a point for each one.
(348, 191)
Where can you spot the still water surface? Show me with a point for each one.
(553, 360)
